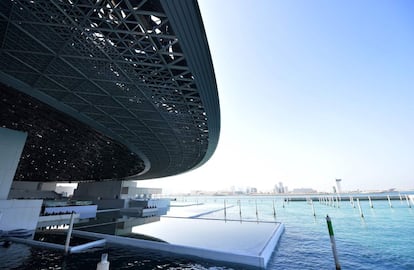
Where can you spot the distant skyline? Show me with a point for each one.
(310, 91)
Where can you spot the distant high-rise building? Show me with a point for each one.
(338, 185)
(279, 188)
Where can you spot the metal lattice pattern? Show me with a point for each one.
(117, 63)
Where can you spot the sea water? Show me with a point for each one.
(382, 239)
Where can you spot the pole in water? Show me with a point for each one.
(225, 213)
(257, 213)
(313, 208)
(370, 202)
(360, 209)
(333, 245)
(389, 201)
(408, 201)
(240, 210)
(103, 264)
(401, 199)
(72, 216)
(274, 209)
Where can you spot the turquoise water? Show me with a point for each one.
(383, 239)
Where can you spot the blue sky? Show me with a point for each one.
(310, 91)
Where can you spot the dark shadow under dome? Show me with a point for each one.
(59, 147)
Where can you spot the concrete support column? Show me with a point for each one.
(11, 148)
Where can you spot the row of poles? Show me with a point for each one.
(256, 209)
(329, 201)
(328, 221)
(330, 227)
(332, 201)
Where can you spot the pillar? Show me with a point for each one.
(11, 148)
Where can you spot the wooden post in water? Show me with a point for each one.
(370, 202)
(401, 200)
(333, 245)
(389, 201)
(274, 209)
(360, 209)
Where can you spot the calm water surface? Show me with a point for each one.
(383, 239)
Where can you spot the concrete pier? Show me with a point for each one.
(247, 243)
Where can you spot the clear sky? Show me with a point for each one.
(310, 91)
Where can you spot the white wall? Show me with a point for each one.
(66, 190)
(19, 214)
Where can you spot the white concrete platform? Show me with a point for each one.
(245, 243)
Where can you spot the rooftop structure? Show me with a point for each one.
(338, 185)
(120, 89)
